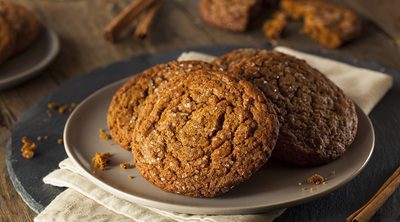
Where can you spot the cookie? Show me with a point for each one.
(123, 110)
(202, 134)
(318, 122)
(232, 15)
(6, 39)
(24, 23)
(328, 24)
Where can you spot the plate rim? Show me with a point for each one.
(221, 210)
(32, 71)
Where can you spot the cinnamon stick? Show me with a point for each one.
(146, 20)
(125, 18)
(369, 209)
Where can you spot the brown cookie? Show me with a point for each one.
(233, 15)
(328, 24)
(318, 121)
(24, 23)
(203, 133)
(126, 102)
(7, 39)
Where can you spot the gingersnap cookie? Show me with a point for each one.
(6, 39)
(318, 122)
(123, 110)
(328, 24)
(24, 23)
(202, 134)
(233, 15)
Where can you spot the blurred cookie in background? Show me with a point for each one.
(232, 15)
(328, 24)
(23, 25)
(6, 39)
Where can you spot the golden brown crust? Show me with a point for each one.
(202, 134)
(125, 105)
(318, 121)
(25, 24)
(233, 15)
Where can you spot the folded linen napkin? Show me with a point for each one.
(84, 201)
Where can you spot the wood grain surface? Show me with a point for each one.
(79, 24)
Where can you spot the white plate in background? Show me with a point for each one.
(30, 62)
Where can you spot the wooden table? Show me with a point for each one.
(79, 24)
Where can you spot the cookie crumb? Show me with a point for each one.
(60, 141)
(104, 135)
(53, 106)
(28, 148)
(101, 160)
(299, 183)
(315, 179)
(41, 138)
(125, 166)
(71, 107)
(333, 172)
(131, 177)
(63, 109)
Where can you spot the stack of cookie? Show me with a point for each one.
(18, 29)
(199, 129)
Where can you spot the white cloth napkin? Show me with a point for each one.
(84, 201)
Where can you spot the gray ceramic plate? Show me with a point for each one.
(274, 186)
(25, 65)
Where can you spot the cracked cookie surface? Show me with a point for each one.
(202, 134)
(126, 102)
(318, 122)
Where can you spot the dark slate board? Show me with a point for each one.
(26, 175)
